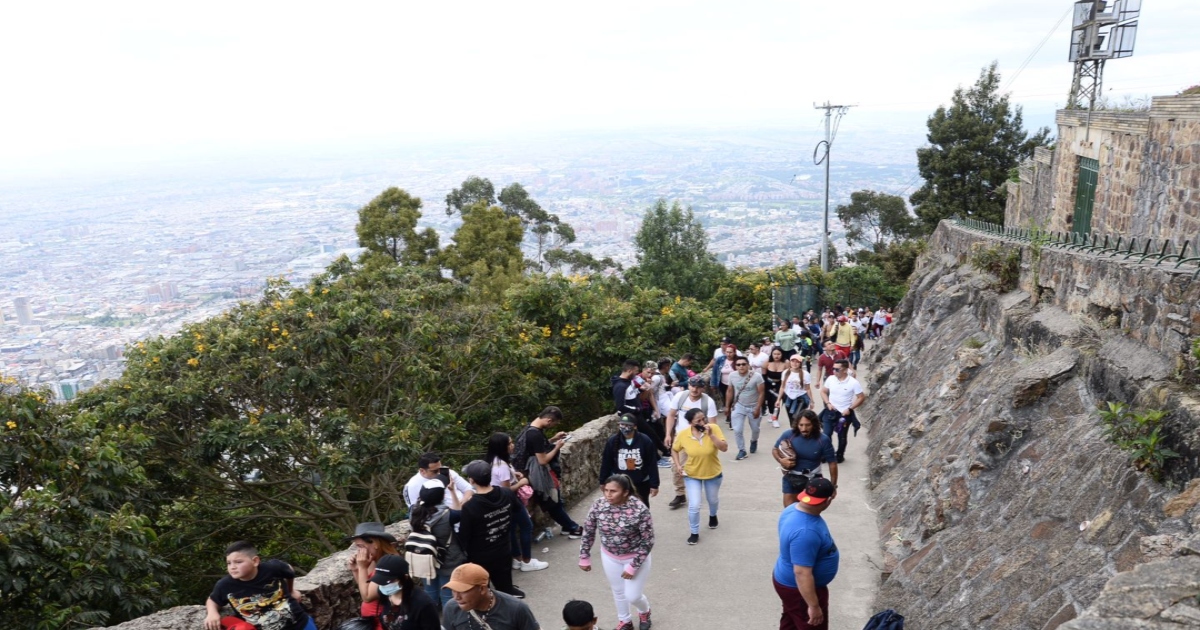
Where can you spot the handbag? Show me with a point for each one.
(525, 493)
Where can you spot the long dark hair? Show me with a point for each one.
(407, 586)
(497, 448)
(428, 504)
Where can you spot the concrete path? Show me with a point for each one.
(725, 581)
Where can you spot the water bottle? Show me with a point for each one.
(546, 534)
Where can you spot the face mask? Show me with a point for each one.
(626, 430)
(387, 590)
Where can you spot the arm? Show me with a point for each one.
(607, 459)
(671, 425)
(825, 397)
(717, 437)
(367, 590)
(808, 590)
(762, 390)
(729, 395)
(650, 460)
(545, 458)
(212, 620)
(833, 475)
(858, 401)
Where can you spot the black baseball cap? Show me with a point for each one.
(819, 490)
(389, 569)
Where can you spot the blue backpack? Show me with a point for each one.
(886, 620)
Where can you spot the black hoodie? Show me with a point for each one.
(620, 386)
(486, 519)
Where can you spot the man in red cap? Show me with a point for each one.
(475, 605)
(808, 559)
(844, 337)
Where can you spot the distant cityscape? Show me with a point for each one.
(89, 265)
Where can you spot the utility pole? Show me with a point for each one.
(1101, 30)
(831, 127)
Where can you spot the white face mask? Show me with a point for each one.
(388, 590)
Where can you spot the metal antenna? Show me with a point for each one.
(831, 127)
(1096, 37)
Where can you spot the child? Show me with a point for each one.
(579, 615)
(260, 593)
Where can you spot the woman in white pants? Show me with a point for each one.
(626, 538)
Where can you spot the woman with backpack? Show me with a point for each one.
(499, 454)
(433, 522)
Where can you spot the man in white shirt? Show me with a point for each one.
(756, 357)
(842, 394)
(693, 398)
(430, 467)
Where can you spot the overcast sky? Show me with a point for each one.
(159, 77)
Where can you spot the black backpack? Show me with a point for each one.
(886, 620)
(520, 457)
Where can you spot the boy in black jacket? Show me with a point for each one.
(483, 528)
(632, 453)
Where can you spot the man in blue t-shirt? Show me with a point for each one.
(808, 559)
(811, 448)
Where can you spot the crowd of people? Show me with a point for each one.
(471, 531)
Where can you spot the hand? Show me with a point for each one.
(668, 441)
(757, 413)
(816, 616)
(363, 559)
(518, 476)
(787, 463)
(653, 492)
(212, 622)
(585, 567)
(627, 575)
(558, 436)
(844, 412)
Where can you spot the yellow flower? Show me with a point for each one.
(284, 333)
(310, 314)
(271, 346)
(324, 291)
(387, 314)
(198, 336)
(193, 362)
(154, 360)
(667, 310)
(277, 304)
(546, 332)
(199, 347)
(10, 424)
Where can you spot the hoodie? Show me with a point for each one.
(486, 519)
(620, 389)
(639, 460)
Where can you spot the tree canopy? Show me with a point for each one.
(388, 225)
(973, 145)
(874, 219)
(672, 252)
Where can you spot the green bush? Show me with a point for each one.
(1140, 435)
(1002, 262)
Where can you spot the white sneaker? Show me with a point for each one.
(516, 564)
(533, 565)
(775, 424)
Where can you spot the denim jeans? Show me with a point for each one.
(697, 490)
(740, 414)
(433, 588)
(795, 405)
(520, 536)
(556, 511)
(829, 421)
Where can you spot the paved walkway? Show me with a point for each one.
(725, 581)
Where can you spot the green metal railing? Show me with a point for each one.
(1160, 251)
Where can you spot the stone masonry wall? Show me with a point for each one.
(1149, 178)
(1001, 505)
(329, 592)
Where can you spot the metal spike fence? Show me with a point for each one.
(1138, 249)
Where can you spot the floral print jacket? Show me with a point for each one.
(626, 532)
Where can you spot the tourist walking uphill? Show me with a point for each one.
(696, 454)
(842, 394)
(808, 559)
(626, 538)
(772, 372)
(677, 424)
(800, 451)
(631, 453)
(743, 404)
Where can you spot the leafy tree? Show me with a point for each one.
(75, 549)
(487, 250)
(873, 219)
(549, 232)
(388, 225)
(862, 285)
(474, 190)
(973, 144)
(578, 261)
(672, 253)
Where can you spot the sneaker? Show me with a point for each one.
(664, 462)
(753, 446)
(625, 625)
(533, 565)
(712, 522)
(775, 424)
(644, 620)
(741, 455)
(693, 539)
(518, 593)
(678, 502)
(575, 534)
(840, 459)
(516, 564)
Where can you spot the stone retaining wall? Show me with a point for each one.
(328, 589)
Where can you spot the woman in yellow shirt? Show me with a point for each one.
(695, 452)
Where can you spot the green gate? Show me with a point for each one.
(795, 300)
(1085, 195)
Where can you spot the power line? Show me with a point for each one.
(1036, 50)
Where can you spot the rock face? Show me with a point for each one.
(1000, 503)
(328, 589)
